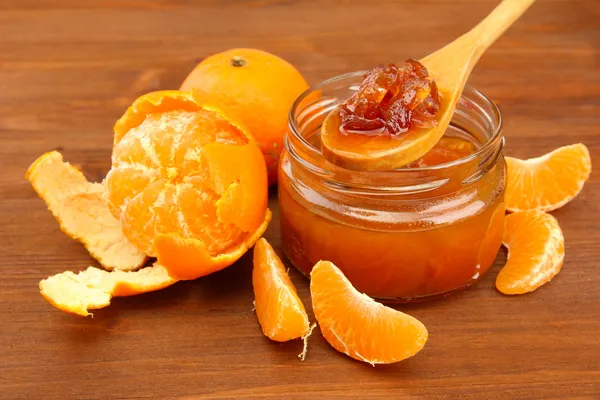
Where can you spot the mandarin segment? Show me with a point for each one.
(125, 183)
(216, 235)
(138, 219)
(94, 288)
(237, 184)
(536, 250)
(83, 213)
(358, 326)
(280, 311)
(548, 182)
(203, 195)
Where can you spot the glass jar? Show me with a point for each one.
(401, 235)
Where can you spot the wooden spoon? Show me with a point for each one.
(450, 67)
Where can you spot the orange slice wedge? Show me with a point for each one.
(82, 212)
(548, 182)
(357, 325)
(280, 311)
(94, 288)
(536, 251)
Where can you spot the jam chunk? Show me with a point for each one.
(391, 101)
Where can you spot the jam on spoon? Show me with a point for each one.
(391, 101)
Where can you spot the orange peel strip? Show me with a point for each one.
(94, 288)
(165, 100)
(82, 212)
(54, 180)
(183, 256)
(151, 103)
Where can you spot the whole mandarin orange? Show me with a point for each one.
(188, 183)
(259, 88)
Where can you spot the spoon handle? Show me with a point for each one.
(496, 23)
(462, 54)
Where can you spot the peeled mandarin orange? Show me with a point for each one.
(536, 251)
(82, 212)
(548, 182)
(257, 86)
(357, 325)
(187, 182)
(94, 288)
(280, 311)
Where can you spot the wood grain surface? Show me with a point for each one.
(69, 68)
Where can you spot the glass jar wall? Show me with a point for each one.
(403, 235)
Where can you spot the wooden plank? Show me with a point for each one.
(68, 69)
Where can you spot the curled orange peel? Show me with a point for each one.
(82, 212)
(54, 180)
(168, 100)
(188, 258)
(149, 104)
(94, 288)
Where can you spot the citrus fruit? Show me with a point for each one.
(357, 325)
(548, 182)
(259, 87)
(187, 182)
(82, 212)
(536, 250)
(280, 311)
(94, 288)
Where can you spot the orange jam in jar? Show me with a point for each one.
(424, 230)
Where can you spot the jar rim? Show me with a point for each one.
(493, 139)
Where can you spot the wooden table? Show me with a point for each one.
(69, 68)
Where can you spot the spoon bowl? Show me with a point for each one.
(378, 153)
